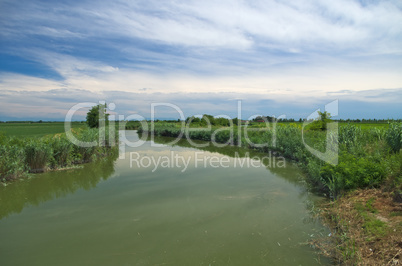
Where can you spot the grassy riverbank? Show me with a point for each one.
(23, 155)
(366, 228)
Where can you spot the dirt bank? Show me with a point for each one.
(366, 228)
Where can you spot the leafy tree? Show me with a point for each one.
(235, 121)
(324, 115)
(206, 118)
(94, 115)
(321, 122)
(325, 118)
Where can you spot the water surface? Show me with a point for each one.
(108, 213)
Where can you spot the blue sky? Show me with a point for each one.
(277, 57)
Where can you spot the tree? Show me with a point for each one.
(324, 116)
(95, 114)
(321, 122)
(207, 118)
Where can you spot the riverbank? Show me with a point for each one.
(366, 227)
(23, 156)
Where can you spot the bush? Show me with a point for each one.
(352, 172)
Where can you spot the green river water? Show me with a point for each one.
(212, 212)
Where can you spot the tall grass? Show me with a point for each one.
(37, 155)
(85, 154)
(62, 151)
(12, 162)
(394, 136)
(19, 156)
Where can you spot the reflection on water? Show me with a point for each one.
(204, 215)
(43, 187)
(272, 163)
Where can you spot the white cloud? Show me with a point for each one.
(267, 49)
(224, 24)
(18, 82)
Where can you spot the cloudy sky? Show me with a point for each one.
(276, 57)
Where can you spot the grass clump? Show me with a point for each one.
(373, 227)
(62, 152)
(12, 162)
(37, 155)
(395, 213)
(370, 207)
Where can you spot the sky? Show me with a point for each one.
(280, 58)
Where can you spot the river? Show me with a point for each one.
(164, 205)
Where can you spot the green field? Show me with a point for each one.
(35, 129)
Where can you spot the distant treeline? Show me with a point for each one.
(272, 119)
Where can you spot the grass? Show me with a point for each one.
(38, 154)
(35, 130)
(370, 207)
(373, 227)
(396, 213)
(366, 227)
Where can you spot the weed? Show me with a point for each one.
(396, 213)
(370, 207)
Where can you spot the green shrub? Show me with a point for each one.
(353, 172)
